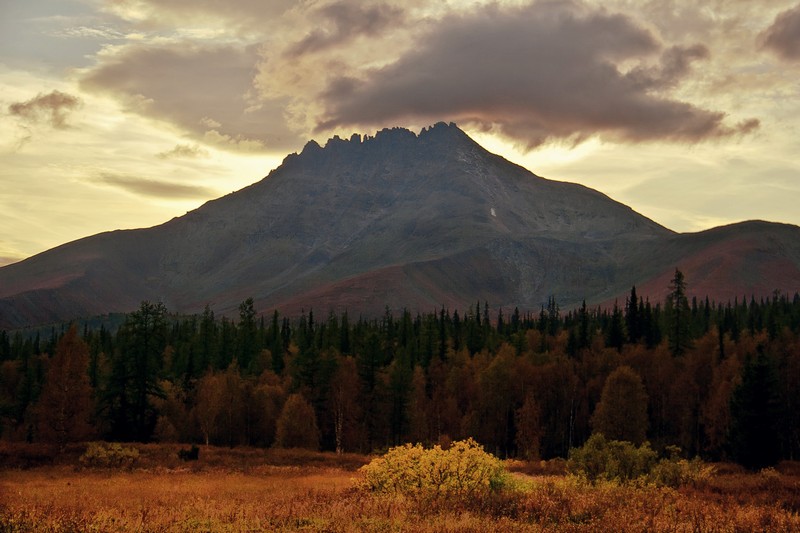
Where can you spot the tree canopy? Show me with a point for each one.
(532, 384)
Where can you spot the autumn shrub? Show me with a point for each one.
(622, 462)
(673, 471)
(462, 471)
(109, 455)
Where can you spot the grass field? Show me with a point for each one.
(258, 490)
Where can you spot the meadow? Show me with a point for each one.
(247, 489)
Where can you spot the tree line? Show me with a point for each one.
(721, 381)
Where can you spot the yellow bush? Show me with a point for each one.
(462, 471)
(109, 455)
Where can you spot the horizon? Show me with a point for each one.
(126, 115)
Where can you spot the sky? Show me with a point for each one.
(121, 114)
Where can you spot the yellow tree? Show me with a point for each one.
(65, 404)
(209, 403)
(297, 425)
(622, 411)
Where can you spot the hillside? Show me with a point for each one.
(397, 220)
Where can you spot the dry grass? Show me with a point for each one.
(241, 490)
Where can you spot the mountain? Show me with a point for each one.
(398, 220)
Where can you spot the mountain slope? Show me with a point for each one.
(393, 220)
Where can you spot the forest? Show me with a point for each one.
(718, 380)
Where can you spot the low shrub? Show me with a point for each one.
(192, 454)
(109, 455)
(462, 471)
(611, 460)
(623, 462)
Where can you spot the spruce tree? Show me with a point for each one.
(755, 415)
(632, 317)
(136, 369)
(615, 337)
(678, 315)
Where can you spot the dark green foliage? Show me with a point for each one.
(756, 416)
(615, 336)
(247, 347)
(274, 341)
(206, 341)
(679, 315)
(136, 368)
(633, 318)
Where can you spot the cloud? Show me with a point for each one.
(239, 15)
(783, 36)
(277, 72)
(153, 188)
(87, 32)
(675, 63)
(205, 89)
(342, 22)
(53, 109)
(535, 73)
(184, 151)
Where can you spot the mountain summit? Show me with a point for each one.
(398, 220)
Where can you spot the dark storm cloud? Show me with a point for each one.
(154, 188)
(342, 22)
(535, 73)
(205, 89)
(783, 36)
(52, 108)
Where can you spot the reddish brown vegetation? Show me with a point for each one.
(272, 490)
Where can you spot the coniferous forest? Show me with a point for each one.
(719, 380)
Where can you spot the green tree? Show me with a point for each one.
(370, 363)
(755, 415)
(276, 345)
(633, 319)
(206, 343)
(246, 337)
(400, 376)
(678, 315)
(135, 373)
(615, 336)
(622, 411)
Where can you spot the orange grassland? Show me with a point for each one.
(271, 490)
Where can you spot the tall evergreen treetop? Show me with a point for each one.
(678, 315)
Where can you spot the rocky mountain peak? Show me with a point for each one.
(397, 219)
